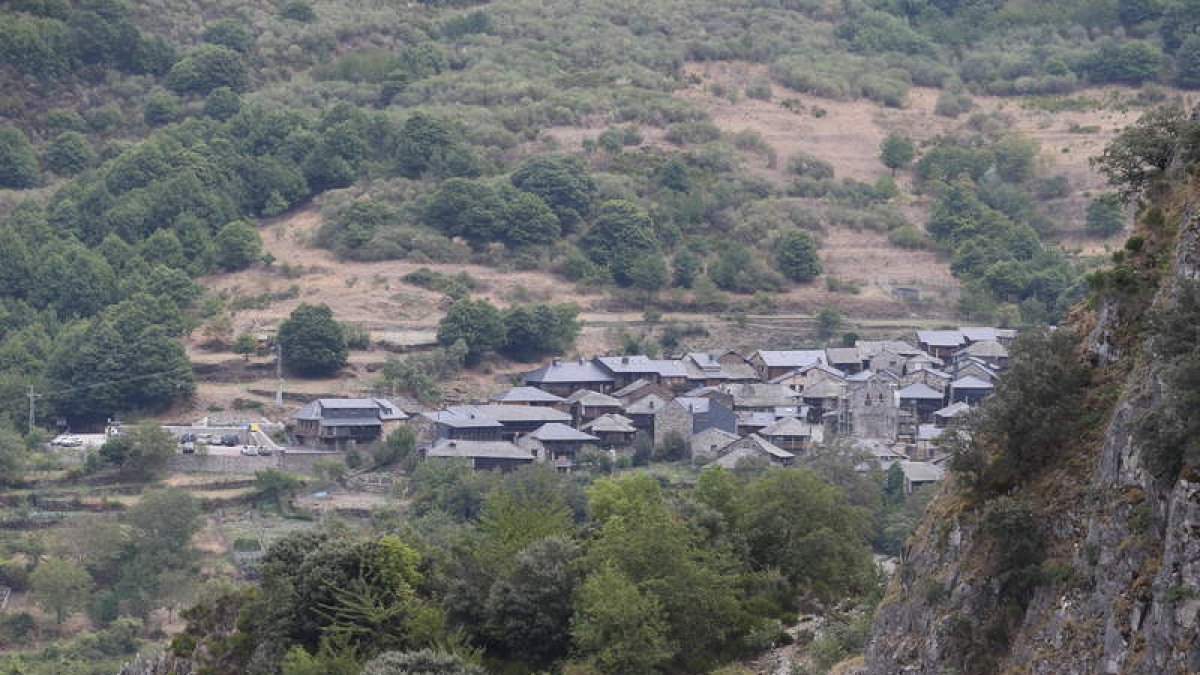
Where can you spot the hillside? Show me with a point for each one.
(1103, 576)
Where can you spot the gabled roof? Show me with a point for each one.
(698, 405)
(864, 376)
(478, 449)
(703, 361)
(760, 394)
(791, 358)
(639, 363)
(953, 410)
(756, 419)
(788, 426)
(922, 472)
(526, 395)
(839, 355)
(985, 349)
(748, 447)
(512, 413)
(593, 399)
(941, 375)
(825, 389)
(978, 333)
(555, 431)
(465, 419)
(632, 387)
(568, 372)
(330, 408)
(920, 390)
(929, 432)
(941, 338)
(804, 370)
(870, 348)
(719, 433)
(647, 405)
(923, 359)
(970, 382)
(611, 423)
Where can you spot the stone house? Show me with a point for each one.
(752, 446)
(613, 430)
(565, 377)
(483, 455)
(531, 396)
(689, 415)
(342, 423)
(586, 406)
(557, 444)
(970, 390)
(872, 408)
(921, 400)
(644, 410)
(793, 435)
(710, 443)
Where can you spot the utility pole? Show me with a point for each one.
(32, 407)
(278, 374)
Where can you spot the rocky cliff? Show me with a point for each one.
(1119, 591)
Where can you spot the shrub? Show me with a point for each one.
(796, 255)
(18, 163)
(68, 154)
(807, 166)
(1105, 215)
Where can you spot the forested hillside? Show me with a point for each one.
(188, 185)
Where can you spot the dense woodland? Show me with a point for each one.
(142, 144)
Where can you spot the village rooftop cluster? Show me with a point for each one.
(890, 397)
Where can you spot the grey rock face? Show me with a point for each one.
(1126, 594)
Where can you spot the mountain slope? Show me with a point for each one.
(1119, 589)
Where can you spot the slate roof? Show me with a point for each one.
(555, 431)
(698, 405)
(978, 333)
(824, 390)
(760, 394)
(593, 399)
(632, 387)
(802, 370)
(922, 472)
(953, 410)
(526, 395)
(788, 426)
(754, 444)
(792, 358)
(839, 355)
(920, 390)
(567, 372)
(611, 423)
(647, 405)
(929, 432)
(756, 419)
(985, 349)
(639, 363)
(512, 413)
(941, 338)
(465, 419)
(870, 348)
(940, 374)
(316, 410)
(970, 382)
(863, 376)
(478, 449)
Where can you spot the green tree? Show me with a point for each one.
(796, 255)
(1143, 151)
(13, 454)
(60, 586)
(18, 161)
(206, 68)
(1187, 63)
(276, 487)
(141, 453)
(528, 611)
(68, 154)
(425, 661)
(245, 344)
(312, 342)
(222, 103)
(477, 323)
(896, 151)
(829, 319)
(533, 332)
(230, 33)
(1105, 215)
(620, 235)
(161, 108)
(617, 627)
(649, 273)
(563, 184)
(687, 268)
(238, 245)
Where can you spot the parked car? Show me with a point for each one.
(263, 450)
(249, 451)
(68, 441)
(206, 439)
(187, 438)
(230, 440)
